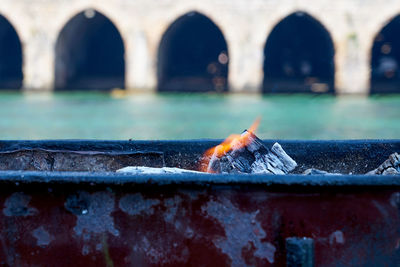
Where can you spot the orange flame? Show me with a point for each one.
(234, 140)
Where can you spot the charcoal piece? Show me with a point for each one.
(391, 166)
(251, 157)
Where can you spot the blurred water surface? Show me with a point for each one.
(83, 115)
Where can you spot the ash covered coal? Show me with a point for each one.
(391, 166)
(152, 170)
(248, 154)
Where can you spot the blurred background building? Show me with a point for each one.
(344, 46)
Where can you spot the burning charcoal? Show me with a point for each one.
(391, 166)
(248, 154)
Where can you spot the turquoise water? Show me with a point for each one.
(182, 116)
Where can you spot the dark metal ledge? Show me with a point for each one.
(110, 178)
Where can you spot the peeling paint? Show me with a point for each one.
(135, 204)
(336, 237)
(241, 228)
(168, 249)
(85, 249)
(43, 238)
(189, 233)
(98, 217)
(162, 250)
(77, 203)
(99, 247)
(191, 194)
(18, 205)
(172, 205)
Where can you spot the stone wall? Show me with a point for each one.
(246, 24)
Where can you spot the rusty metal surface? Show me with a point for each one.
(142, 225)
(95, 161)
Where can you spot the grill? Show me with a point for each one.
(63, 204)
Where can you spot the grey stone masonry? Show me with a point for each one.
(245, 24)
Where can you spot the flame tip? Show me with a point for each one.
(226, 146)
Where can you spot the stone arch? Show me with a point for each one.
(89, 54)
(385, 59)
(192, 56)
(10, 56)
(299, 57)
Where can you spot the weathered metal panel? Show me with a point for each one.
(64, 224)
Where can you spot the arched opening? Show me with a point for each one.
(89, 54)
(299, 57)
(10, 56)
(385, 59)
(193, 56)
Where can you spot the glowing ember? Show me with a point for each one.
(234, 141)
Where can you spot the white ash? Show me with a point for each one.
(391, 166)
(151, 170)
(318, 172)
(275, 162)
